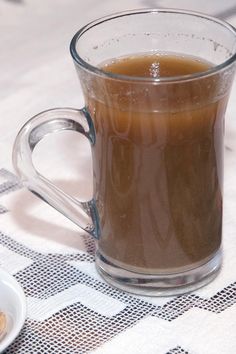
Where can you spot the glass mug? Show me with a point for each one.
(157, 149)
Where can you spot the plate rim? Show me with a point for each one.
(17, 288)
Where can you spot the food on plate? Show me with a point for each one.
(3, 324)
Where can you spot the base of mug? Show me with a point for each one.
(161, 284)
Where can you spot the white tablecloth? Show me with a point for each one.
(70, 308)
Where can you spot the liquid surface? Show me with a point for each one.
(158, 164)
(156, 66)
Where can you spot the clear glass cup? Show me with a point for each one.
(157, 148)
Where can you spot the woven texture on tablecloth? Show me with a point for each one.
(72, 310)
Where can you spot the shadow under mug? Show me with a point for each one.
(157, 148)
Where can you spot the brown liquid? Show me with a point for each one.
(158, 164)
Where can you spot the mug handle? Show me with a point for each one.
(84, 214)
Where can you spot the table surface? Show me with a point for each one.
(70, 308)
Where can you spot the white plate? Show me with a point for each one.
(13, 304)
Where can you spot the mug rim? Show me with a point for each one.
(170, 79)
